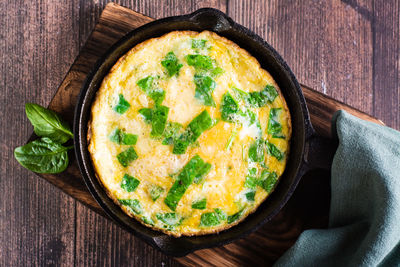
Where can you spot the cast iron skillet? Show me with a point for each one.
(304, 145)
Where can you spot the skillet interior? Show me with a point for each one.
(213, 20)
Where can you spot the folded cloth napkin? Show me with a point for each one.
(364, 219)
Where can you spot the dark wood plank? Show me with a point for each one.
(37, 46)
(387, 62)
(327, 44)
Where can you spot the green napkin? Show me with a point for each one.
(364, 219)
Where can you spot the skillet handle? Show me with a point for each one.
(319, 152)
(211, 19)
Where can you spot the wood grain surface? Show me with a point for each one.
(348, 50)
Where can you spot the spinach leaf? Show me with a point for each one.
(212, 218)
(120, 137)
(170, 219)
(194, 168)
(147, 85)
(157, 116)
(209, 219)
(242, 95)
(268, 180)
(122, 105)
(155, 191)
(159, 120)
(260, 99)
(229, 108)
(196, 127)
(234, 217)
(171, 64)
(256, 151)
(269, 93)
(221, 214)
(216, 72)
(171, 132)
(250, 196)
(132, 204)
(47, 123)
(147, 114)
(274, 151)
(200, 204)
(198, 43)
(158, 95)
(43, 156)
(200, 62)
(231, 139)
(127, 156)
(129, 183)
(251, 178)
(199, 124)
(274, 127)
(202, 171)
(129, 139)
(205, 86)
(147, 220)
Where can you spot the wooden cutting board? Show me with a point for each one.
(308, 208)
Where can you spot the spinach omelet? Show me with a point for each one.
(188, 133)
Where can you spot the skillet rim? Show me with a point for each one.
(157, 239)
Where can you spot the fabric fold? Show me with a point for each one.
(364, 219)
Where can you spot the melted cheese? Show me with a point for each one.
(223, 186)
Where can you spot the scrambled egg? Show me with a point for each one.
(188, 133)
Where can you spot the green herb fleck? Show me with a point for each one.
(127, 156)
(132, 204)
(171, 132)
(122, 105)
(146, 83)
(148, 86)
(120, 137)
(196, 127)
(170, 219)
(260, 99)
(198, 43)
(171, 64)
(231, 139)
(200, 204)
(200, 62)
(155, 191)
(250, 195)
(242, 95)
(159, 120)
(205, 86)
(216, 72)
(193, 169)
(234, 217)
(212, 218)
(256, 151)
(129, 183)
(274, 151)
(251, 178)
(148, 220)
(268, 180)
(229, 108)
(147, 114)
(274, 127)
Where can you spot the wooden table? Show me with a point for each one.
(348, 50)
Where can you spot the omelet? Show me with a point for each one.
(188, 134)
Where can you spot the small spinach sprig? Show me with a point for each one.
(45, 155)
